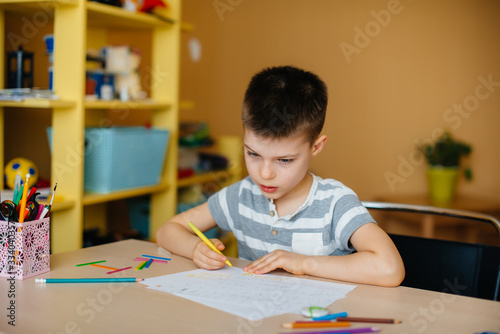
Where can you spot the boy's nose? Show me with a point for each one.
(267, 171)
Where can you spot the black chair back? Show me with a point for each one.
(452, 267)
(447, 266)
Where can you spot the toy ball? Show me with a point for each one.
(21, 167)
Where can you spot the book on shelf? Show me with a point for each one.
(21, 94)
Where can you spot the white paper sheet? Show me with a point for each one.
(247, 295)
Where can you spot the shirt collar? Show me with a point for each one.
(308, 200)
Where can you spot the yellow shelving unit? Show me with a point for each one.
(72, 19)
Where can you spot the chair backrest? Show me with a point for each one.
(447, 266)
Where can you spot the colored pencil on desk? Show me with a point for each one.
(342, 331)
(103, 267)
(373, 320)
(88, 280)
(315, 324)
(146, 259)
(141, 265)
(89, 263)
(118, 270)
(330, 316)
(148, 263)
(156, 257)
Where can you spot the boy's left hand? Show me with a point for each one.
(291, 262)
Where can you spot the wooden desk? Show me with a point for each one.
(132, 308)
(428, 224)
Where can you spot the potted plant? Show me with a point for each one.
(444, 158)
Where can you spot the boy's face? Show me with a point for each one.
(278, 166)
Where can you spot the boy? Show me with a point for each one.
(282, 215)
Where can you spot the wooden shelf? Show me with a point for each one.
(32, 6)
(35, 2)
(131, 105)
(60, 206)
(39, 103)
(72, 20)
(203, 178)
(93, 198)
(114, 17)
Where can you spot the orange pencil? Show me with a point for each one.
(103, 267)
(315, 324)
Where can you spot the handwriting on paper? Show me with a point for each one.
(248, 295)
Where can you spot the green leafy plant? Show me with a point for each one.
(447, 152)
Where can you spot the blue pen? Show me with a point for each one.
(331, 316)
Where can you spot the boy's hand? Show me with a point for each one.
(291, 262)
(206, 258)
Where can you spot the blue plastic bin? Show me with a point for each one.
(122, 157)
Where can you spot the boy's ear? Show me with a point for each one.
(318, 145)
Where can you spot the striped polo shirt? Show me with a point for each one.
(322, 225)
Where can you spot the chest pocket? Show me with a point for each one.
(307, 243)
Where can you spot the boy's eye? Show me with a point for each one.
(286, 161)
(252, 154)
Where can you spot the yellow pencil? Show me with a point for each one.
(208, 242)
(141, 265)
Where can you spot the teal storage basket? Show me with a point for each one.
(123, 158)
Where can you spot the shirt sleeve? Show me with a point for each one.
(349, 215)
(223, 206)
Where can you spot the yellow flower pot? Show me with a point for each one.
(442, 184)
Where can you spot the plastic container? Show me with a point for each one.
(123, 157)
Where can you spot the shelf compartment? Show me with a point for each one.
(32, 6)
(114, 17)
(131, 105)
(39, 103)
(60, 206)
(203, 178)
(93, 198)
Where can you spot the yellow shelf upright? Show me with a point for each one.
(165, 88)
(68, 124)
(2, 75)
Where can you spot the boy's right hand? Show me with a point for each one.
(206, 258)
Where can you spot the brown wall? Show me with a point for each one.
(398, 86)
(397, 89)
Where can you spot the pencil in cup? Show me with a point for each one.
(24, 198)
(207, 242)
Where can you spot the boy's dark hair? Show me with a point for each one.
(285, 101)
